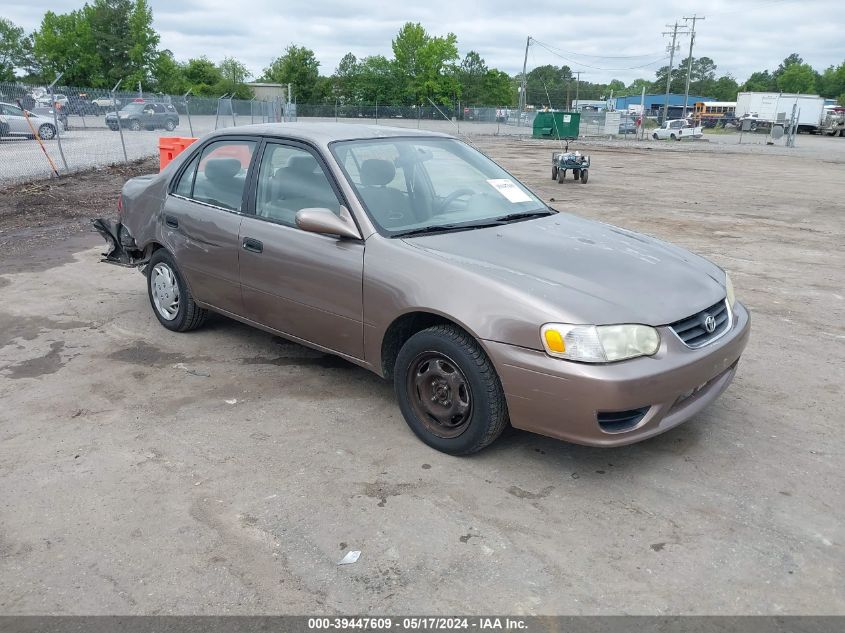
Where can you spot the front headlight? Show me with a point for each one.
(729, 291)
(599, 343)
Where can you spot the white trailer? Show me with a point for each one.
(769, 108)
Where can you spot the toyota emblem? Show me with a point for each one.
(709, 323)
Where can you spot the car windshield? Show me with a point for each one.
(428, 184)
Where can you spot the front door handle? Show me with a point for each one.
(253, 246)
(171, 221)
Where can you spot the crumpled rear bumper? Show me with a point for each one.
(122, 249)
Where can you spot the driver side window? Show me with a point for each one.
(291, 179)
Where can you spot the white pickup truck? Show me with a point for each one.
(677, 129)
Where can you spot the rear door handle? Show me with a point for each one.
(253, 246)
(171, 221)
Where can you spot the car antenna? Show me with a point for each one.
(461, 134)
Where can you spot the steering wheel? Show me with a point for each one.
(448, 200)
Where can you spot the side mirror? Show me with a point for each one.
(321, 220)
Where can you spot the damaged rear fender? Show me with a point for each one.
(122, 249)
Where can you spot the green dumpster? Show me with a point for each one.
(556, 124)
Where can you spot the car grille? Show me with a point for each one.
(693, 331)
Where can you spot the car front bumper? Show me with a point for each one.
(567, 400)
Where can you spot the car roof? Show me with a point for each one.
(325, 133)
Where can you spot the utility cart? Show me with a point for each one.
(574, 161)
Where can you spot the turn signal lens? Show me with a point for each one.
(554, 341)
(729, 290)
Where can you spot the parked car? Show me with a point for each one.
(149, 116)
(14, 123)
(627, 125)
(418, 258)
(46, 112)
(105, 102)
(46, 101)
(81, 105)
(677, 130)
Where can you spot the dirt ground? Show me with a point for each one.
(227, 471)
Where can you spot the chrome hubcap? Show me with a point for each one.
(165, 291)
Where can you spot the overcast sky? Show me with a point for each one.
(739, 36)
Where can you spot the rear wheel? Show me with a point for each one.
(448, 391)
(655, 137)
(554, 172)
(135, 125)
(170, 297)
(584, 176)
(170, 125)
(561, 175)
(576, 174)
(47, 131)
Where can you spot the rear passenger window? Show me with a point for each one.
(221, 174)
(291, 179)
(185, 186)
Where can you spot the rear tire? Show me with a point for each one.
(554, 173)
(135, 126)
(170, 298)
(170, 125)
(584, 176)
(47, 132)
(576, 174)
(561, 175)
(448, 391)
(655, 137)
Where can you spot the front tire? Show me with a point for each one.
(170, 298)
(554, 172)
(135, 126)
(448, 391)
(170, 125)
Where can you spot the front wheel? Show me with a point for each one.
(561, 175)
(576, 174)
(170, 125)
(170, 297)
(135, 125)
(448, 391)
(46, 132)
(554, 172)
(584, 176)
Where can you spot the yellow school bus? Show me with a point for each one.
(709, 113)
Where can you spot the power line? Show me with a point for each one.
(577, 63)
(549, 46)
(674, 34)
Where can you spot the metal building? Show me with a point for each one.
(654, 103)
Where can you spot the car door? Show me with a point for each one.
(159, 115)
(15, 120)
(304, 284)
(201, 219)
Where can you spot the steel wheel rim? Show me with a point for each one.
(439, 394)
(165, 291)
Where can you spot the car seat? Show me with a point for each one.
(386, 204)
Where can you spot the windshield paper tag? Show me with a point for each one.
(509, 190)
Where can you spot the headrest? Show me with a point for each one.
(222, 168)
(302, 164)
(375, 171)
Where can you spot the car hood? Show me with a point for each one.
(584, 271)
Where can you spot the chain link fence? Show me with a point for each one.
(45, 133)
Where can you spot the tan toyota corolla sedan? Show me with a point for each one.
(415, 256)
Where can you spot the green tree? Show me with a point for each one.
(498, 89)
(168, 75)
(98, 44)
(202, 76)
(724, 88)
(426, 65)
(345, 79)
(233, 76)
(761, 81)
(471, 75)
(13, 49)
(299, 67)
(799, 78)
(545, 84)
(831, 82)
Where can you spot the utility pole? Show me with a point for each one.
(689, 61)
(522, 102)
(674, 34)
(577, 82)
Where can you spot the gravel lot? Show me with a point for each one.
(227, 471)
